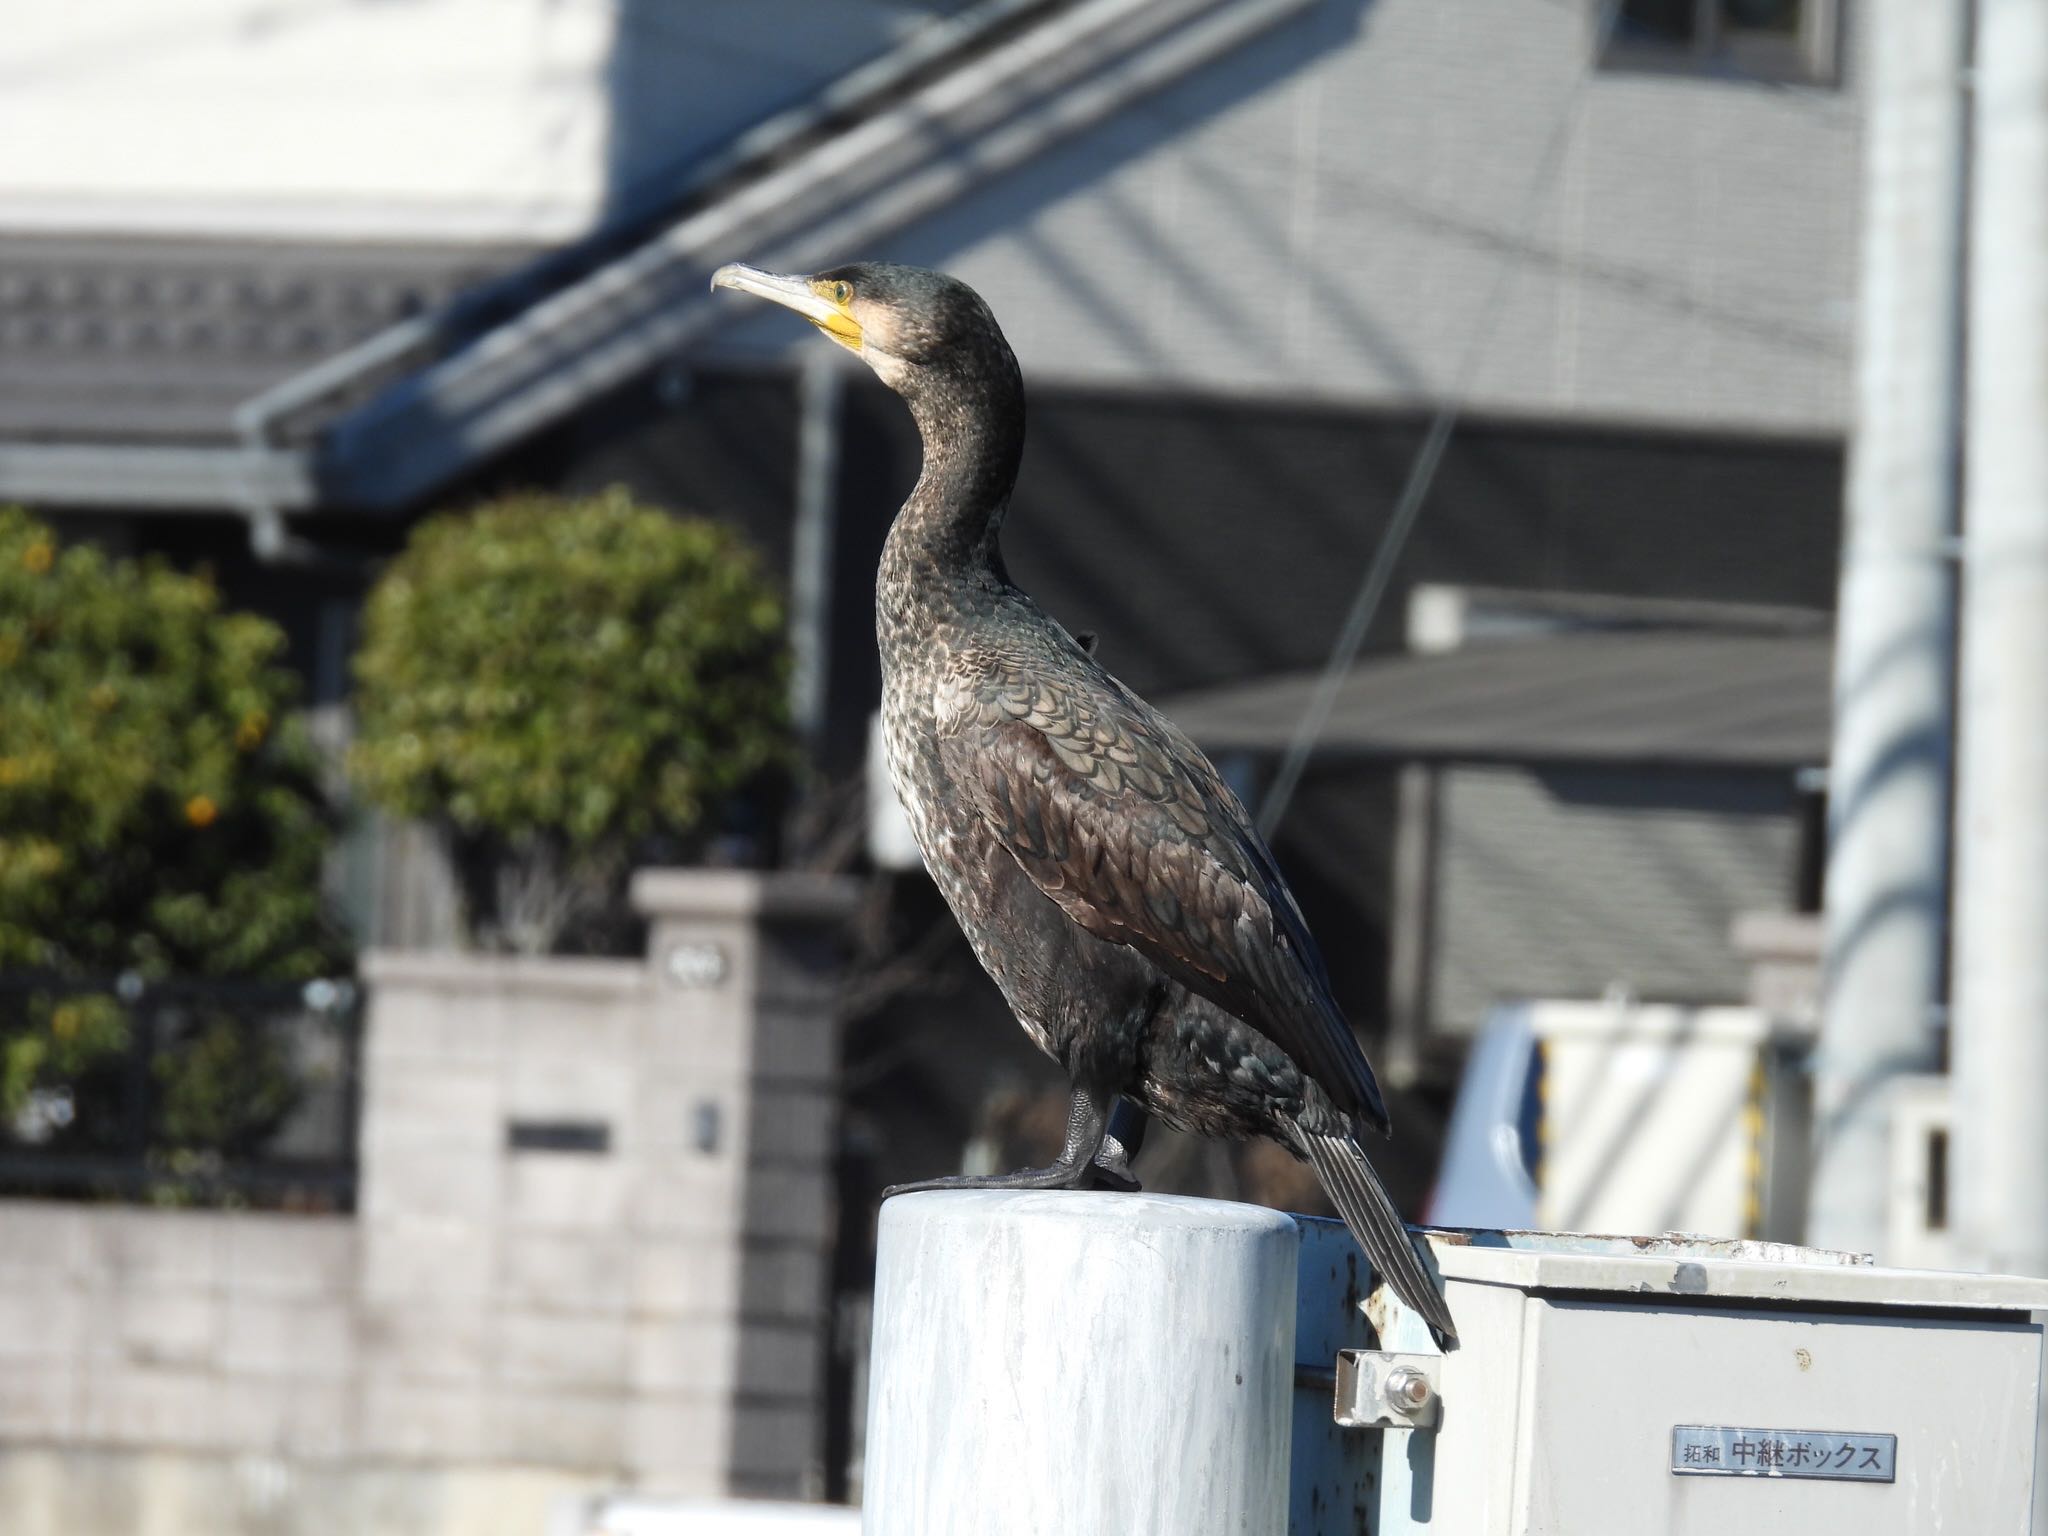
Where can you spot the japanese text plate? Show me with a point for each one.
(1718, 1450)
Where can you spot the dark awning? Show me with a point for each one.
(1655, 696)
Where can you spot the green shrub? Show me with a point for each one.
(555, 682)
(160, 813)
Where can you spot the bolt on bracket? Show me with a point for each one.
(1378, 1389)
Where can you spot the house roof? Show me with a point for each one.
(123, 340)
(969, 100)
(1644, 697)
(122, 360)
(157, 340)
(358, 386)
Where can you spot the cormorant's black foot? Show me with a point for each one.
(1058, 1176)
(1088, 1153)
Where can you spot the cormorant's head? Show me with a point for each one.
(906, 323)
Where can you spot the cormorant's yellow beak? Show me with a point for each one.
(817, 301)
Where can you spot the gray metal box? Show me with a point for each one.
(1681, 1385)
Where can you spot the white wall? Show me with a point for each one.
(416, 117)
(418, 120)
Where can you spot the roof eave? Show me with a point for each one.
(133, 477)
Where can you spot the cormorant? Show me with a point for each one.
(1105, 875)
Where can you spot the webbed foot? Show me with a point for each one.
(1058, 1176)
(1090, 1159)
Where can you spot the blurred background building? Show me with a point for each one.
(374, 262)
(1548, 306)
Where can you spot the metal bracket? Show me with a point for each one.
(1377, 1389)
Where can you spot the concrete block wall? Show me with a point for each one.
(178, 1330)
(591, 1243)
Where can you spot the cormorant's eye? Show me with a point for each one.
(841, 291)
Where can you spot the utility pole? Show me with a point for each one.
(1999, 1060)
(1888, 776)
(821, 386)
(2001, 976)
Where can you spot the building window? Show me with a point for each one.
(1780, 40)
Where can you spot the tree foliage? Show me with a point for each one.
(160, 809)
(556, 681)
(160, 814)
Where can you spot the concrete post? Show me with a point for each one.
(2001, 979)
(1888, 782)
(1048, 1362)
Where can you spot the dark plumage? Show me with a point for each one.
(1106, 877)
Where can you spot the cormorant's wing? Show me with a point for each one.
(1121, 820)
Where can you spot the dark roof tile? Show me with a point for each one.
(159, 340)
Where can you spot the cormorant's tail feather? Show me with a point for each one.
(1362, 1200)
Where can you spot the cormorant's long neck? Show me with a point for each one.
(972, 422)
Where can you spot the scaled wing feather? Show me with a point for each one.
(1121, 821)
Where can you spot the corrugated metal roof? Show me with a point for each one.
(1655, 696)
(1574, 880)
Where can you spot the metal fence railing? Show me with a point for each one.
(184, 1092)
